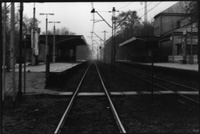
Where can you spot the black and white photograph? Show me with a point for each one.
(99, 67)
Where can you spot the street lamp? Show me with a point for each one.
(54, 40)
(46, 46)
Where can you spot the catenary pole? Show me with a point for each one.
(12, 49)
(54, 43)
(33, 45)
(1, 105)
(198, 5)
(19, 94)
(145, 11)
(4, 50)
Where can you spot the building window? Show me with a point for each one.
(194, 49)
(179, 49)
(178, 24)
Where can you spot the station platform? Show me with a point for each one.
(189, 67)
(35, 77)
(54, 67)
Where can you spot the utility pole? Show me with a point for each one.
(54, 39)
(54, 43)
(47, 62)
(191, 45)
(198, 20)
(145, 11)
(105, 35)
(1, 92)
(104, 44)
(33, 45)
(92, 45)
(113, 38)
(19, 94)
(4, 49)
(12, 48)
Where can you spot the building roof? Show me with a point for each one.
(176, 9)
(71, 41)
(61, 39)
(148, 42)
(130, 41)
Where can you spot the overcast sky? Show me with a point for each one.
(77, 18)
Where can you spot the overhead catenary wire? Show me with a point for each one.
(150, 9)
(126, 5)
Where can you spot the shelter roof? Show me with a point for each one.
(71, 41)
(130, 40)
(148, 41)
(61, 39)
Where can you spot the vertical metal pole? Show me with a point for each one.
(103, 51)
(19, 94)
(54, 43)
(4, 50)
(114, 48)
(25, 66)
(47, 51)
(185, 48)
(152, 71)
(1, 56)
(145, 11)
(198, 13)
(112, 45)
(12, 47)
(92, 45)
(33, 49)
(191, 45)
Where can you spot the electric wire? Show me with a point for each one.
(150, 9)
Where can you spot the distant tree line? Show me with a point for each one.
(60, 31)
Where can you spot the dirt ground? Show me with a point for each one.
(40, 114)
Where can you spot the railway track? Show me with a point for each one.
(166, 84)
(74, 113)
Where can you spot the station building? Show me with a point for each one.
(68, 48)
(177, 36)
(175, 40)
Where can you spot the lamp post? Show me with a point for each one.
(46, 46)
(54, 39)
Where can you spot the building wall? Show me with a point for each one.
(107, 53)
(82, 53)
(165, 23)
(41, 56)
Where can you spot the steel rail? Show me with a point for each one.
(117, 119)
(184, 96)
(61, 123)
(177, 84)
(157, 85)
(174, 83)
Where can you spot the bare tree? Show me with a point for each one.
(191, 8)
(64, 31)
